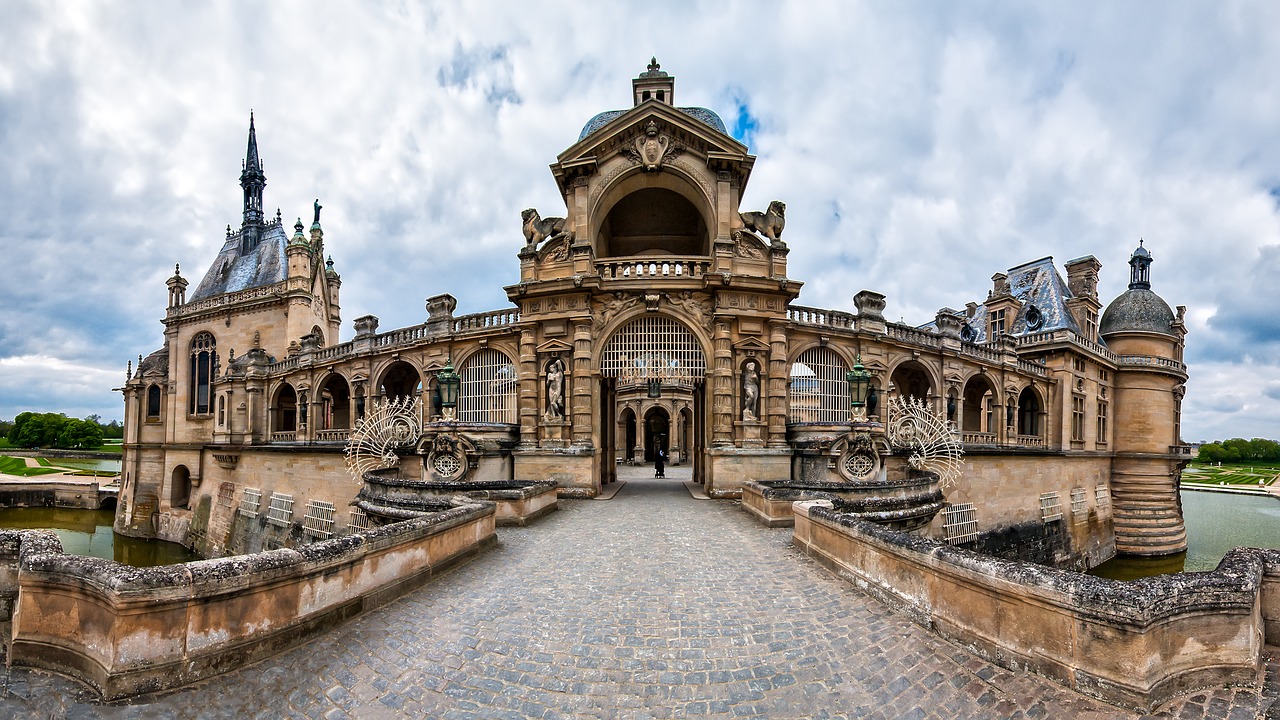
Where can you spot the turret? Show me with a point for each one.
(177, 288)
(1147, 337)
(654, 84)
(252, 181)
(300, 258)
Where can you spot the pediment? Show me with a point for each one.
(752, 344)
(554, 346)
(619, 133)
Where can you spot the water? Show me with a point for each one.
(88, 532)
(110, 466)
(1216, 522)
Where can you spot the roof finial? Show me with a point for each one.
(653, 64)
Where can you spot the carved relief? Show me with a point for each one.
(691, 303)
(652, 148)
(612, 306)
(748, 245)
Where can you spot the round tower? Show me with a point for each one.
(1147, 338)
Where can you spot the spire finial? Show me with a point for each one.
(653, 64)
(177, 269)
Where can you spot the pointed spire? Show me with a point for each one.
(252, 180)
(251, 160)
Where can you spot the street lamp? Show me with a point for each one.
(859, 382)
(448, 382)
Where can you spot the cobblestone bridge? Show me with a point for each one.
(624, 608)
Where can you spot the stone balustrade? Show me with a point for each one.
(1151, 361)
(1031, 441)
(289, 436)
(333, 435)
(485, 320)
(912, 336)
(819, 316)
(658, 267)
(979, 438)
(1134, 644)
(232, 298)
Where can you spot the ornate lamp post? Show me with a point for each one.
(859, 382)
(448, 382)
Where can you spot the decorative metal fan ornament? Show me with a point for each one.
(914, 426)
(389, 425)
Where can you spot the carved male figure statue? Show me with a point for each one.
(750, 391)
(555, 390)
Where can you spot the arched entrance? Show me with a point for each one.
(655, 362)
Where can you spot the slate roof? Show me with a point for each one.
(1035, 284)
(230, 272)
(701, 114)
(1137, 310)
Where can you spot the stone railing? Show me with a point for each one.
(979, 438)
(1151, 361)
(403, 336)
(484, 320)
(981, 352)
(333, 435)
(1065, 336)
(153, 629)
(1032, 441)
(1032, 368)
(913, 336)
(1181, 450)
(333, 352)
(284, 365)
(228, 299)
(1135, 644)
(663, 267)
(284, 436)
(818, 316)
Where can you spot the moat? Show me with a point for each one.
(88, 532)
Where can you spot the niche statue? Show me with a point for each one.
(555, 389)
(750, 392)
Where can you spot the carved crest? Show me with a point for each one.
(652, 148)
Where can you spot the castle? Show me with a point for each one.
(654, 316)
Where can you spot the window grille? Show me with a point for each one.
(959, 523)
(488, 388)
(357, 520)
(280, 513)
(318, 522)
(1079, 503)
(818, 389)
(1050, 507)
(1101, 496)
(250, 501)
(226, 494)
(653, 346)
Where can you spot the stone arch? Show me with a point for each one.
(153, 403)
(912, 378)
(629, 431)
(981, 403)
(489, 387)
(179, 487)
(334, 396)
(284, 409)
(634, 192)
(817, 390)
(655, 335)
(657, 431)
(1030, 407)
(399, 378)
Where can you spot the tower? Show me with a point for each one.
(252, 180)
(1147, 338)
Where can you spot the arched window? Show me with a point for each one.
(153, 402)
(818, 391)
(1029, 413)
(488, 388)
(203, 364)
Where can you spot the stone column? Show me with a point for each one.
(723, 402)
(580, 405)
(774, 400)
(529, 390)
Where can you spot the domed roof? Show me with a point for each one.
(701, 114)
(1137, 310)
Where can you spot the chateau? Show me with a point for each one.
(656, 315)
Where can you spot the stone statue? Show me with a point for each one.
(750, 392)
(538, 228)
(769, 223)
(318, 208)
(555, 389)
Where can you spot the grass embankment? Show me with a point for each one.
(18, 466)
(1244, 474)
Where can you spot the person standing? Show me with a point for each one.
(659, 463)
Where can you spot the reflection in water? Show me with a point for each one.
(88, 532)
(1216, 522)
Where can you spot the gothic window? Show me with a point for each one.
(488, 388)
(153, 402)
(817, 390)
(203, 360)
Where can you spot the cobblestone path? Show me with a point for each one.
(649, 605)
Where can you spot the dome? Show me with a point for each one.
(701, 114)
(1137, 310)
(157, 363)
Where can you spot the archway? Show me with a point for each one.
(335, 404)
(627, 426)
(400, 379)
(979, 414)
(285, 417)
(179, 487)
(1028, 413)
(912, 381)
(652, 361)
(657, 433)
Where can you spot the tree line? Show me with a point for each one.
(1238, 450)
(55, 430)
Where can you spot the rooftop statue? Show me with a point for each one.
(768, 223)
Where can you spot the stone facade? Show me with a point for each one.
(655, 314)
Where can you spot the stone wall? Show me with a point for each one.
(127, 631)
(1135, 644)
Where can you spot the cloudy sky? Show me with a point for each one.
(919, 146)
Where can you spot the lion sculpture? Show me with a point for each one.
(769, 223)
(538, 228)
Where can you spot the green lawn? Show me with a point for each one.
(1241, 474)
(17, 466)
